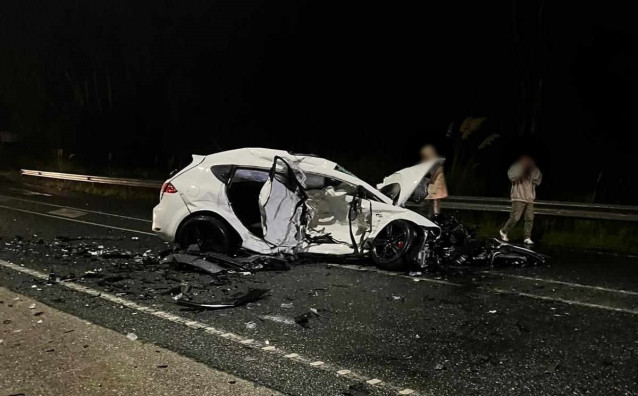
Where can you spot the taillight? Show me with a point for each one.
(168, 188)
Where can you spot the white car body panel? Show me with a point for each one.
(200, 191)
(409, 179)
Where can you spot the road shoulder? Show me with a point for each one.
(46, 351)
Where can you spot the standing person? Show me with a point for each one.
(525, 176)
(437, 189)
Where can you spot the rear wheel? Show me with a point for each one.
(391, 245)
(208, 234)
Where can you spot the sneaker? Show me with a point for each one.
(503, 236)
(528, 241)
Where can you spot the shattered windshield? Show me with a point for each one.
(341, 169)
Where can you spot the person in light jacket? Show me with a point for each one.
(525, 176)
(437, 189)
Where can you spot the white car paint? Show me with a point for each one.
(199, 190)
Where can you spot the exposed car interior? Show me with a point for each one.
(243, 195)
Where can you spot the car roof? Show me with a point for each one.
(264, 157)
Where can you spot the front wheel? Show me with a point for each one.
(390, 247)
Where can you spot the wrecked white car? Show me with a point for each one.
(270, 201)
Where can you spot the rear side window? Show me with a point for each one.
(254, 175)
(222, 172)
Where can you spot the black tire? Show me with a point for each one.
(209, 233)
(391, 245)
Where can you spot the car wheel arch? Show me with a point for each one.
(209, 213)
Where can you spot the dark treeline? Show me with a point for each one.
(135, 87)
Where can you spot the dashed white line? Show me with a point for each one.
(317, 364)
(557, 282)
(269, 348)
(77, 221)
(493, 290)
(364, 268)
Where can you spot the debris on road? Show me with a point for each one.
(551, 369)
(131, 336)
(458, 248)
(236, 301)
(303, 320)
(184, 260)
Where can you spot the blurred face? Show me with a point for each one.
(428, 153)
(527, 161)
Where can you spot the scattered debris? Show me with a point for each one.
(278, 319)
(357, 390)
(439, 367)
(131, 336)
(32, 306)
(458, 247)
(194, 261)
(551, 369)
(303, 320)
(236, 301)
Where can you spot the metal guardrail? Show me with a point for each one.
(117, 181)
(549, 208)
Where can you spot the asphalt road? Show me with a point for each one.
(569, 327)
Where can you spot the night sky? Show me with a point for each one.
(366, 85)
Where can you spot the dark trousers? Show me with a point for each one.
(518, 209)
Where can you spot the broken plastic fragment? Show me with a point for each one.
(251, 325)
(242, 299)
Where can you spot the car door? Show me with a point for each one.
(340, 215)
(282, 203)
(410, 183)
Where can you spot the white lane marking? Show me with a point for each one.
(328, 367)
(343, 372)
(374, 381)
(279, 319)
(364, 268)
(557, 282)
(494, 290)
(66, 212)
(291, 355)
(71, 207)
(77, 221)
(562, 300)
(406, 391)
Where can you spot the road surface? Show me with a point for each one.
(569, 327)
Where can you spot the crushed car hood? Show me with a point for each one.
(410, 183)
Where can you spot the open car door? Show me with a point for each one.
(282, 204)
(410, 183)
